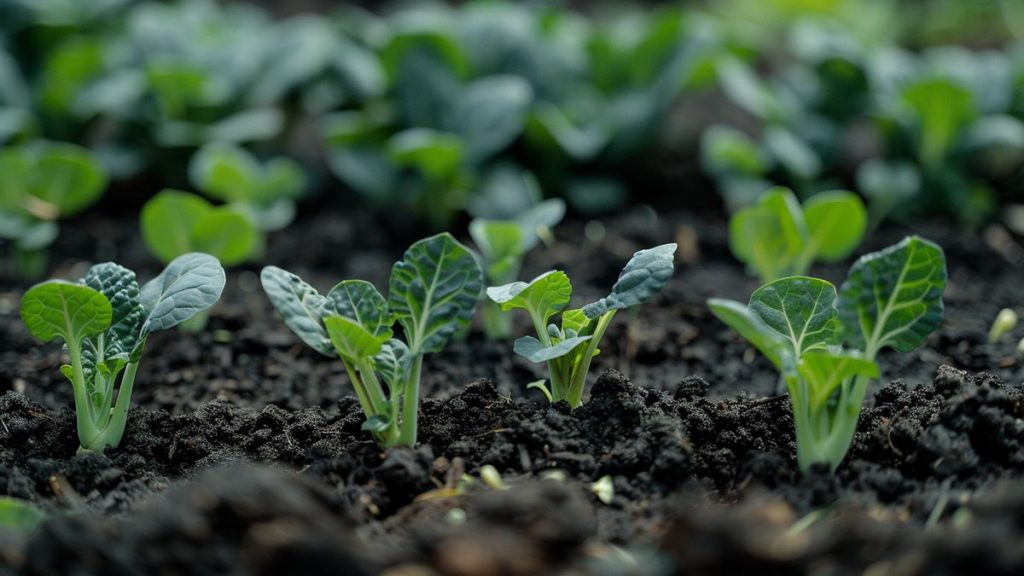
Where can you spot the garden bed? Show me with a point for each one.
(245, 451)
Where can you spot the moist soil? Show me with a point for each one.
(244, 454)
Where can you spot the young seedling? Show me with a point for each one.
(568, 350)
(891, 298)
(104, 322)
(39, 185)
(777, 237)
(264, 193)
(1004, 323)
(432, 295)
(502, 245)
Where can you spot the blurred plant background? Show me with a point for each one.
(482, 109)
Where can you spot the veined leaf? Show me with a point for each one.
(301, 307)
(535, 351)
(575, 321)
(360, 302)
(748, 324)
(188, 285)
(497, 239)
(643, 277)
(769, 236)
(894, 297)
(823, 372)
(119, 286)
(58, 309)
(543, 297)
(392, 363)
(836, 222)
(800, 309)
(433, 291)
(352, 340)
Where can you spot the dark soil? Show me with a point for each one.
(244, 453)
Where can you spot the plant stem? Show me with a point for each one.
(112, 434)
(83, 407)
(578, 378)
(411, 404)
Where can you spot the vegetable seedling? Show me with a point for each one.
(568, 350)
(891, 298)
(104, 322)
(1004, 323)
(432, 295)
(777, 237)
(40, 184)
(502, 245)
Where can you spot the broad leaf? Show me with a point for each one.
(836, 222)
(539, 220)
(543, 297)
(225, 234)
(535, 351)
(436, 154)
(575, 321)
(58, 309)
(497, 239)
(360, 302)
(225, 172)
(490, 114)
(749, 325)
(119, 286)
(433, 291)
(642, 278)
(188, 285)
(68, 177)
(301, 307)
(769, 236)
(800, 309)
(176, 223)
(392, 363)
(894, 297)
(353, 342)
(823, 372)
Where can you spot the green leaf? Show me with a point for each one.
(535, 351)
(769, 236)
(823, 372)
(301, 307)
(433, 291)
(575, 321)
(175, 223)
(19, 516)
(894, 297)
(360, 302)
(941, 108)
(225, 172)
(497, 240)
(800, 309)
(543, 297)
(225, 234)
(748, 324)
(836, 222)
(643, 277)
(376, 423)
(58, 309)
(539, 220)
(352, 340)
(119, 286)
(436, 154)
(68, 177)
(490, 114)
(190, 284)
(725, 150)
(392, 363)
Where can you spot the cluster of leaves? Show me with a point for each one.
(104, 322)
(41, 183)
(432, 295)
(890, 299)
(569, 349)
(257, 198)
(777, 237)
(917, 133)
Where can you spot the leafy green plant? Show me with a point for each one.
(104, 321)
(175, 223)
(502, 245)
(778, 237)
(265, 193)
(432, 295)
(568, 350)
(890, 299)
(39, 185)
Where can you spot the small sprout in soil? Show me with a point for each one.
(568, 350)
(1004, 323)
(502, 245)
(432, 295)
(604, 489)
(777, 237)
(19, 516)
(491, 477)
(104, 321)
(891, 298)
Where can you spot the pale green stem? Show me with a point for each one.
(411, 404)
(83, 406)
(579, 375)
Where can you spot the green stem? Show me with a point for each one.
(497, 324)
(83, 407)
(578, 378)
(411, 404)
(112, 434)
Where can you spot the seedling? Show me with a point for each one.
(1004, 323)
(502, 245)
(777, 237)
(264, 193)
(568, 350)
(432, 295)
(104, 322)
(39, 185)
(891, 298)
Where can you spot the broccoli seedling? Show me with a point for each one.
(502, 245)
(568, 350)
(104, 321)
(264, 193)
(777, 237)
(891, 298)
(39, 185)
(432, 294)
